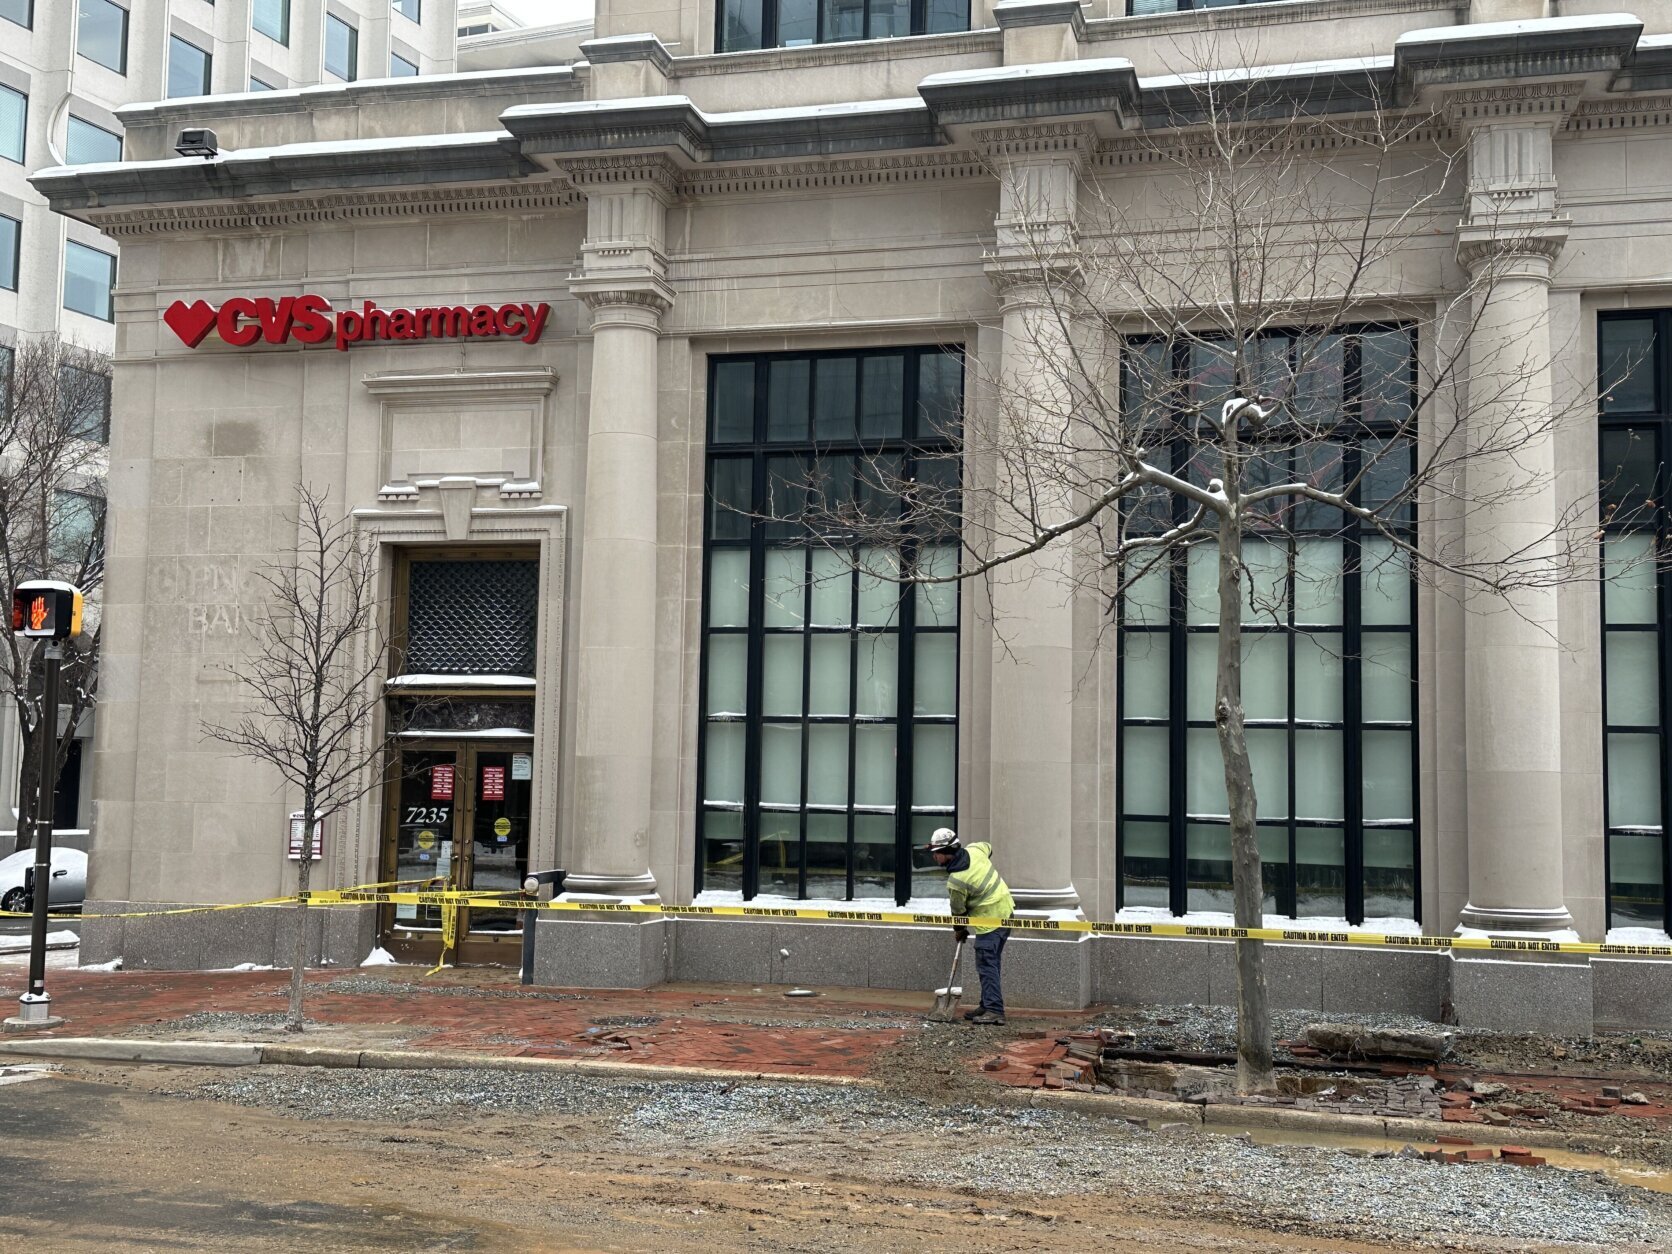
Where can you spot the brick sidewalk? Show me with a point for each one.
(839, 1033)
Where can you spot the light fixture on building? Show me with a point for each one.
(200, 143)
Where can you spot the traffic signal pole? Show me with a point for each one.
(35, 1006)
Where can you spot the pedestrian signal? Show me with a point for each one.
(46, 609)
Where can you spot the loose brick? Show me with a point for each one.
(1453, 1140)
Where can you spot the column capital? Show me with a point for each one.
(616, 302)
(1510, 251)
(1034, 143)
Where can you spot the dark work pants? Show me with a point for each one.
(989, 951)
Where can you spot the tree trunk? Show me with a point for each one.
(1253, 1014)
(28, 789)
(299, 955)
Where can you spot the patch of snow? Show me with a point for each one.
(474, 681)
(295, 93)
(1558, 934)
(1655, 41)
(485, 733)
(245, 966)
(380, 957)
(1247, 73)
(115, 964)
(1220, 918)
(573, 107)
(312, 148)
(1637, 936)
(1042, 69)
(1527, 26)
(771, 901)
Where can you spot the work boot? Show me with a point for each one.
(987, 1018)
(970, 1016)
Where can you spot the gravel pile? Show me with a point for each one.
(222, 1023)
(363, 984)
(1213, 1029)
(1017, 1152)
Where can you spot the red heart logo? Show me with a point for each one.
(190, 322)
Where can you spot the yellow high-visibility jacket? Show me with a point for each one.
(976, 888)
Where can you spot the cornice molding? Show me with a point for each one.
(793, 176)
(1072, 140)
(1524, 252)
(1547, 104)
(619, 172)
(1620, 113)
(372, 203)
(1418, 130)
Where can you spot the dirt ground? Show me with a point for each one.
(129, 1168)
(95, 1158)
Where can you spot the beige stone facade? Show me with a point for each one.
(857, 207)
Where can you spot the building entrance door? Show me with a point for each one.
(458, 812)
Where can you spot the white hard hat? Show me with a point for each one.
(943, 838)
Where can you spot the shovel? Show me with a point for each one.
(946, 999)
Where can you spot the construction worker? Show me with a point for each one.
(976, 889)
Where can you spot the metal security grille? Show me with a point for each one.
(472, 617)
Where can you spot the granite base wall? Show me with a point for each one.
(1552, 994)
(265, 935)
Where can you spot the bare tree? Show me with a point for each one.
(313, 683)
(54, 418)
(1256, 336)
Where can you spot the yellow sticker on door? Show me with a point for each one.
(502, 827)
(426, 840)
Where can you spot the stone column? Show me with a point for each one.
(1032, 675)
(622, 281)
(1508, 243)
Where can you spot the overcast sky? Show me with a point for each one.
(545, 12)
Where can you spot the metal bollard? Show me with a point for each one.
(533, 884)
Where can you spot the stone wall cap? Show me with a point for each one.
(626, 48)
(1529, 27)
(1041, 69)
(1016, 13)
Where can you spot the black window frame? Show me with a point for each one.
(912, 446)
(353, 74)
(22, 130)
(1188, 6)
(110, 290)
(206, 80)
(71, 122)
(283, 37)
(10, 281)
(1656, 422)
(127, 22)
(99, 434)
(770, 34)
(1352, 726)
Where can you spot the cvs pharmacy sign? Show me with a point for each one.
(243, 320)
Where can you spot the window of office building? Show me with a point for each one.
(20, 11)
(101, 34)
(14, 123)
(85, 143)
(257, 85)
(1144, 8)
(400, 67)
(89, 276)
(272, 18)
(188, 68)
(475, 28)
(745, 24)
(11, 237)
(342, 49)
(1635, 356)
(410, 9)
(84, 396)
(830, 691)
(75, 529)
(1328, 655)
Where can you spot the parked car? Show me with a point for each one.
(69, 879)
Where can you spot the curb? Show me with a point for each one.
(253, 1054)
(1324, 1123)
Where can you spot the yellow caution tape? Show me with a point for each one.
(1192, 931)
(451, 901)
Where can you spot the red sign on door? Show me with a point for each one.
(493, 783)
(441, 783)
